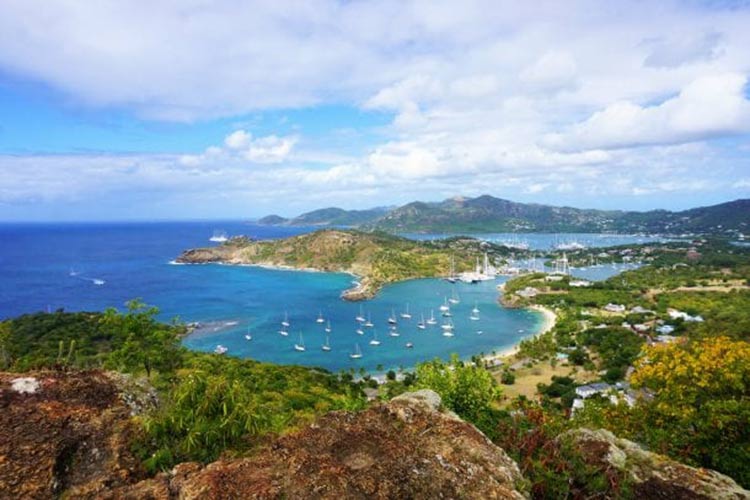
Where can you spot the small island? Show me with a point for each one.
(376, 258)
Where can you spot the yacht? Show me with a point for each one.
(300, 346)
(374, 340)
(406, 314)
(392, 318)
(283, 332)
(285, 322)
(421, 325)
(320, 318)
(432, 320)
(369, 323)
(394, 332)
(360, 318)
(360, 331)
(357, 354)
(409, 345)
(247, 335)
(448, 333)
(327, 346)
(454, 298)
(445, 307)
(328, 327)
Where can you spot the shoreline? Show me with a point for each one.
(549, 319)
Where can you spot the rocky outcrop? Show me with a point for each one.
(407, 448)
(652, 475)
(63, 433)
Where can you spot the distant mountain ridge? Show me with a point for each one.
(489, 214)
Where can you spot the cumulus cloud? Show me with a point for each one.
(707, 107)
(540, 99)
(241, 146)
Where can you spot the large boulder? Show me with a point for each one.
(651, 475)
(407, 448)
(63, 433)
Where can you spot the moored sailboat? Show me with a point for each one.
(300, 346)
(357, 354)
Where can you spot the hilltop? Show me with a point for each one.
(489, 214)
(377, 258)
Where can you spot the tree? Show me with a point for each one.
(5, 344)
(468, 390)
(145, 343)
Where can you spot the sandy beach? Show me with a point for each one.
(548, 322)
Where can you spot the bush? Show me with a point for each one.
(508, 378)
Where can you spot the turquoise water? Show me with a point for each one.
(113, 263)
(306, 295)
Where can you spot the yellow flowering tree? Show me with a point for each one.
(686, 377)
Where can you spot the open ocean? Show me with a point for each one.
(92, 266)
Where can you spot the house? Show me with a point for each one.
(586, 391)
(675, 314)
(553, 277)
(615, 308)
(580, 283)
(528, 292)
(665, 329)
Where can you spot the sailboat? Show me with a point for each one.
(320, 317)
(300, 346)
(374, 340)
(283, 332)
(409, 345)
(432, 320)
(369, 323)
(327, 346)
(357, 353)
(406, 314)
(247, 335)
(447, 325)
(285, 323)
(452, 275)
(392, 318)
(448, 333)
(360, 317)
(454, 298)
(474, 313)
(328, 327)
(421, 325)
(359, 330)
(445, 307)
(394, 332)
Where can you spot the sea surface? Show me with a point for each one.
(549, 241)
(95, 266)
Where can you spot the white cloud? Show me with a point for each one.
(241, 146)
(707, 107)
(549, 99)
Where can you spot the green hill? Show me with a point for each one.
(489, 214)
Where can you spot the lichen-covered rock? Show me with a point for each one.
(403, 449)
(652, 475)
(63, 434)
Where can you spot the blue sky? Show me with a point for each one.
(110, 111)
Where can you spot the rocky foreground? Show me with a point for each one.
(67, 434)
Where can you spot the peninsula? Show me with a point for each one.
(375, 258)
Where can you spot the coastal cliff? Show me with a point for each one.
(375, 258)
